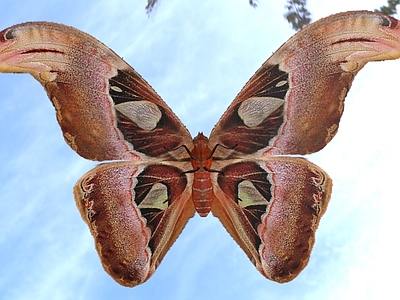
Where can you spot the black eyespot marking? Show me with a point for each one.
(6, 34)
(388, 21)
(10, 35)
(123, 87)
(385, 22)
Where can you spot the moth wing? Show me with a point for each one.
(272, 208)
(271, 204)
(294, 102)
(106, 110)
(135, 212)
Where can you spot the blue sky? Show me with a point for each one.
(197, 55)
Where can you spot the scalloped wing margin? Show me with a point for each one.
(294, 102)
(135, 212)
(272, 209)
(106, 110)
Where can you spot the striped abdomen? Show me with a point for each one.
(202, 190)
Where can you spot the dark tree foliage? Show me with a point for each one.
(390, 9)
(299, 17)
(150, 5)
(297, 14)
(253, 3)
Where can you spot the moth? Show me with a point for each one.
(249, 173)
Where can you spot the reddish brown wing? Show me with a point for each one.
(272, 209)
(135, 212)
(105, 108)
(293, 103)
(272, 205)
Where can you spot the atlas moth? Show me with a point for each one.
(248, 173)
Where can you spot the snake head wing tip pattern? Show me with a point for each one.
(248, 173)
